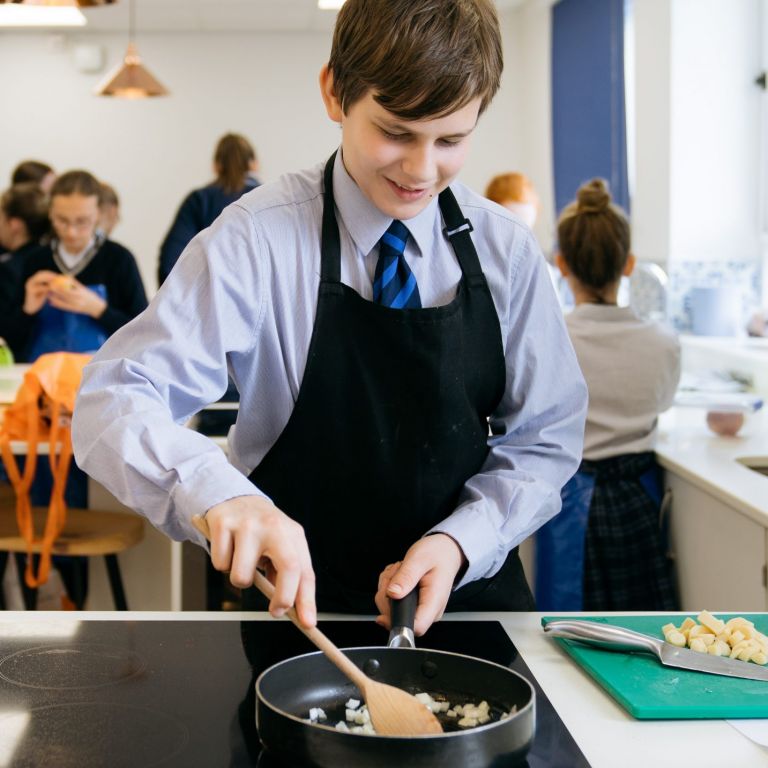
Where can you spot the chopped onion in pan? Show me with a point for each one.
(357, 719)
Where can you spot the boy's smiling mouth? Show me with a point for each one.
(407, 193)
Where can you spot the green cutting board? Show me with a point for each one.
(650, 691)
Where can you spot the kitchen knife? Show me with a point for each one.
(615, 638)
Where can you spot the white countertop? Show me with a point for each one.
(607, 735)
(687, 447)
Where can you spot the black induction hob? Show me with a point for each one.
(181, 693)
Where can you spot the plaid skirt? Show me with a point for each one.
(626, 564)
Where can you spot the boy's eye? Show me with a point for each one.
(450, 142)
(394, 136)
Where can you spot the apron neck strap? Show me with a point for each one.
(330, 270)
(457, 229)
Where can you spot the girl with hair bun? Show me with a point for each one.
(606, 549)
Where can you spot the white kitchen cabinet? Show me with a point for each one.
(720, 553)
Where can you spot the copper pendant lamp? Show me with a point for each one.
(131, 79)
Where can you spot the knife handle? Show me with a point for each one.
(604, 635)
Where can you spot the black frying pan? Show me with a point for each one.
(288, 690)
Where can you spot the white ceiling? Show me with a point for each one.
(219, 16)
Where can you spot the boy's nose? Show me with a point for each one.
(419, 165)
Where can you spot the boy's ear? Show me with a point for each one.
(328, 92)
(561, 265)
(629, 267)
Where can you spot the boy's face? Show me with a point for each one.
(74, 218)
(400, 165)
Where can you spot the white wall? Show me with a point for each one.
(715, 131)
(154, 151)
(651, 193)
(534, 109)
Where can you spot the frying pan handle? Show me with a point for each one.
(403, 614)
(604, 635)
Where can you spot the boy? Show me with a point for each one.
(370, 346)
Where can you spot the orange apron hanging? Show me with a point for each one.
(42, 412)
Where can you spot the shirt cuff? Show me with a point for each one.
(478, 539)
(212, 486)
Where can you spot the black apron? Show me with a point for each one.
(390, 422)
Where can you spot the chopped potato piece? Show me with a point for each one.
(697, 644)
(712, 623)
(687, 624)
(737, 622)
(676, 638)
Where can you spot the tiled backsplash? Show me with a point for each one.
(683, 276)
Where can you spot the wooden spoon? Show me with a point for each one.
(393, 711)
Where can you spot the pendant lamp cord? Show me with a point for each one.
(131, 20)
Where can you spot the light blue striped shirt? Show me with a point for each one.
(242, 299)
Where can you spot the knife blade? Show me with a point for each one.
(615, 638)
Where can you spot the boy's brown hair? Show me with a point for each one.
(78, 183)
(419, 58)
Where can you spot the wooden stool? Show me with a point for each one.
(86, 533)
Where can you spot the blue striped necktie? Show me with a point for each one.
(394, 285)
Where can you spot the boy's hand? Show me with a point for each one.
(249, 532)
(432, 563)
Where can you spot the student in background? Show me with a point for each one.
(234, 163)
(516, 193)
(109, 209)
(23, 222)
(81, 287)
(606, 550)
(33, 170)
(75, 292)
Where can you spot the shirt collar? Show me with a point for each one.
(366, 223)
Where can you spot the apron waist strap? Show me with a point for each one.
(629, 466)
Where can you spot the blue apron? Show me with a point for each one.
(60, 331)
(560, 543)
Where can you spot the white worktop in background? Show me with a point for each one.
(743, 355)
(687, 447)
